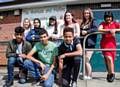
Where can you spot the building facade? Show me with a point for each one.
(14, 11)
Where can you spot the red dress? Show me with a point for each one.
(109, 41)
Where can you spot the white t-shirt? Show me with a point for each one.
(19, 48)
(50, 30)
(19, 51)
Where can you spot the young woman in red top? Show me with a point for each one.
(108, 41)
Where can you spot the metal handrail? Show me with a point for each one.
(99, 49)
(6, 41)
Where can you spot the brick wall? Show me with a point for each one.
(6, 33)
(8, 22)
(9, 17)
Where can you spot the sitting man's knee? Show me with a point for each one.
(26, 62)
(11, 60)
(47, 84)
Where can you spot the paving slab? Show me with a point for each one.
(99, 80)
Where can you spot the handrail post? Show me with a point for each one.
(84, 58)
(84, 50)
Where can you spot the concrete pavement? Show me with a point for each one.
(99, 80)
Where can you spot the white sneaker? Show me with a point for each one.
(89, 78)
(86, 77)
(74, 84)
(82, 77)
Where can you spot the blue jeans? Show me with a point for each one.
(10, 66)
(34, 70)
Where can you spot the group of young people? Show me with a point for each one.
(41, 52)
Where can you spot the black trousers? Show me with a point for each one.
(71, 70)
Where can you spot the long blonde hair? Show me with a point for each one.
(28, 20)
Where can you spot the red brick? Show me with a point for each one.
(6, 34)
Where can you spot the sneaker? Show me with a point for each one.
(82, 77)
(8, 83)
(74, 84)
(110, 77)
(86, 77)
(89, 78)
(22, 81)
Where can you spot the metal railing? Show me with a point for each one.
(95, 49)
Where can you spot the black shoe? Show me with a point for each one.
(36, 82)
(8, 83)
(110, 77)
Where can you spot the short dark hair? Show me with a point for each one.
(108, 14)
(19, 29)
(68, 29)
(43, 31)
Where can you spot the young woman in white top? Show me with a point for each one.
(53, 30)
(69, 21)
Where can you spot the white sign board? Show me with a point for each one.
(43, 13)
